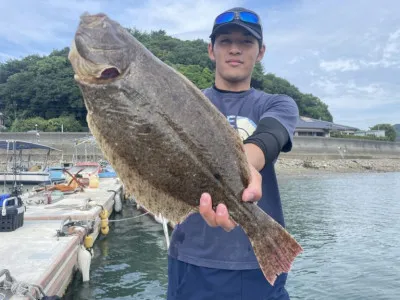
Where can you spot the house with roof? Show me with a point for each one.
(313, 127)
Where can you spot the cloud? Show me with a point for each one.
(326, 85)
(371, 89)
(369, 103)
(347, 53)
(185, 18)
(388, 52)
(50, 25)
(355, 110)
(43, 24)
(341, 65)
(392, 47)
(335, 88)
(351, 56)
(295, 59)
(54, 22)
(371, 95)
(314, 52)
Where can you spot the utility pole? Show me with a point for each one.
(37, 134)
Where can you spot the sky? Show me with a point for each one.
(347, 53)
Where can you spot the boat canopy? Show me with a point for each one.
(21, 145)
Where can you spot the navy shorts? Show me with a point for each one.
(190, 282)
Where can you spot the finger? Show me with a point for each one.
(206, 210)
(222, 218)
(253, 191)
(248, 195)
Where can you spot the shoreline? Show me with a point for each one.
(306, 166)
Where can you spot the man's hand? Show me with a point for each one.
(220, 217)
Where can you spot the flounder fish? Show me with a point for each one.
(165, 139)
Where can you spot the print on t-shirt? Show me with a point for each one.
(244, 126)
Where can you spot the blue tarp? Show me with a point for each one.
(4, 197)
(21, 145)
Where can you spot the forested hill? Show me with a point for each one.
(43, 86)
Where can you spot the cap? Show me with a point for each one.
(255, 28)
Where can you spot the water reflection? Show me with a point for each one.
(348, 225)
(130, 263)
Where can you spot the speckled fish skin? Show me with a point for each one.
(164, 138)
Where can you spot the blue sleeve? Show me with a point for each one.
(284, 109)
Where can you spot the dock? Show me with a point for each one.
(44, 251)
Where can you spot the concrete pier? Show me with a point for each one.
(303, 146)
(35, 254)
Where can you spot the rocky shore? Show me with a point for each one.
(292, 166)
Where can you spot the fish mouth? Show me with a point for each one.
(98, 53)
(90, 72)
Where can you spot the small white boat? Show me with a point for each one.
(25, 177)
(20, 168)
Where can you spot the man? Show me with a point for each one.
(210, 257)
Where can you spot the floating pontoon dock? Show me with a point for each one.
(44, 251)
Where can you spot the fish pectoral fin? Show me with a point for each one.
(158, 202)
(175, 216)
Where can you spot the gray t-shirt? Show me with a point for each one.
(193, 241)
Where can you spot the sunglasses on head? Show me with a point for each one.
(244, 16)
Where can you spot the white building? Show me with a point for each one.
(377, 133)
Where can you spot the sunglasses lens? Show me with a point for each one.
(249, 17)
(224, 18)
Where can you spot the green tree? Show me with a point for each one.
(13, 66)
(44, 86)
(40, 86)
(29, 124)
(309, 105)
(67, 123)
(257, 78)
(201, 77)
(390, 132)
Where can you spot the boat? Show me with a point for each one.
(85, 168)
(107, 172)
(57, 174)
(82, 171)
(19, 168)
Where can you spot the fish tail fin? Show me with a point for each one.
(273, 246)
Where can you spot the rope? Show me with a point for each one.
(120, 220)
(19, 288)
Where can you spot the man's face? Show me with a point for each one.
(235, 53)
